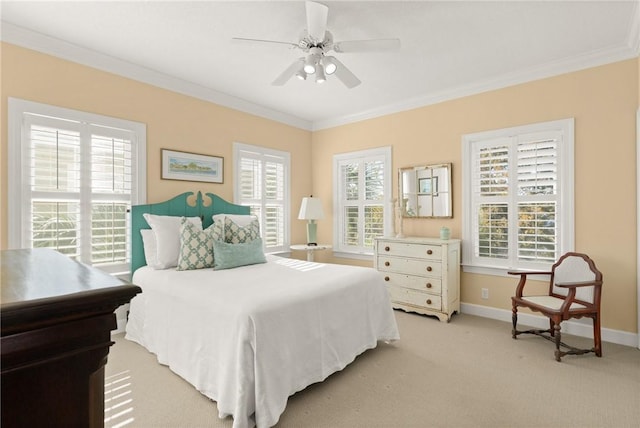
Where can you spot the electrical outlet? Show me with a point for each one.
(485, 293)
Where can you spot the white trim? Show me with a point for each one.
(634, 29)
(499, 271)
(52, 46)
(542, 71)
(638, 221)
(355, 256)
(20, 36)
(582, 328)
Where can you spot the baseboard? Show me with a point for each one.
(582, 327)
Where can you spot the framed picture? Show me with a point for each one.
(428, 186)
(192, 167)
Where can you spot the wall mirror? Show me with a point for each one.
(426, 191)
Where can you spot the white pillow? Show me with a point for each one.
(239, 219)
(167, 232)
(150, 248)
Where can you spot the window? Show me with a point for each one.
(362, 200)
(518, 197)
(73, 177)
(262, 182)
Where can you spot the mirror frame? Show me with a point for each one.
(447, 195)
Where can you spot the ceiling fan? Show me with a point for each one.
(316, 41)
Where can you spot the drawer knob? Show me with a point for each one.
(429, 285)
(429, 252)
(387, 248)
(428, 301)
(386, 278)
(429, 269)
(387, 263)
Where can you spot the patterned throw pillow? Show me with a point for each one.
(196, 247)
(217, 228)
(235, 234)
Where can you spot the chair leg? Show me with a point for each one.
(557, 336)
(552, 326)
(514, 321)
(596, 335)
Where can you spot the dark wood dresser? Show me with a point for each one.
(57, 316)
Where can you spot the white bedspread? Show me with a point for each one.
(250, 337)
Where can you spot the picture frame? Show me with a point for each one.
(428, 186)
(177, 165)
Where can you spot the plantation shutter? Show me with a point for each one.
(53, 185)
(537, 195)
(515, 199)
(262, 186)
(111, 191)
(374, 201)
(362, 188)
(491, 191)
(351, 204)
(77, 189)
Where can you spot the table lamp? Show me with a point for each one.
(311, 209)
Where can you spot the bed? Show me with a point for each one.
(251, 336)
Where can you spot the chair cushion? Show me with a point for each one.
(551, 302)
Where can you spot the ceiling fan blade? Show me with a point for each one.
(242, 39)
(376, 45)
(316, 20)
(345, 75)
(290, 71)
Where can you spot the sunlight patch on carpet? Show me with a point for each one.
(118, 401)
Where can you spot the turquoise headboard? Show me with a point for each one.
(177, 206)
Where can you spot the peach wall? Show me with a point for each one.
(174, 121)
(603, 101)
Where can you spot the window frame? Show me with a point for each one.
(18, 182)
(361, 253)
(264, 151)
(565, 199)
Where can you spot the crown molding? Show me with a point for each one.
(52, 46)
(566, 65)
(634, 29)
(59, 48)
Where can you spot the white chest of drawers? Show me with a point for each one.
(422, 274)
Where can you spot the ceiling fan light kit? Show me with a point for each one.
(320, 76)
(301, 74)
(316, 42)
(329, 64)
(310, 63)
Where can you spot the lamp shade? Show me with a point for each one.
(311, 209)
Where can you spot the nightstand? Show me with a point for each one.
(310, 249)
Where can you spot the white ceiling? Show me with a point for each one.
(449, 48)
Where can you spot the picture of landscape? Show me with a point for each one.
(191, 167)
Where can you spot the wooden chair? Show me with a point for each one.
(575, 288)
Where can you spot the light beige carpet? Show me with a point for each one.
(466, 373)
